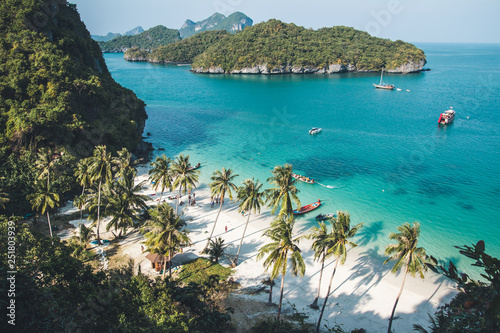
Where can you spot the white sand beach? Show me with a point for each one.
(363, 289)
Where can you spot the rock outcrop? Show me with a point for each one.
(409, 67)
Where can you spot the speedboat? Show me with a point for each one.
(315, 130)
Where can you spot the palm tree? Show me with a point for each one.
(340, 235)
(82, 173)
(251, 198)
(124, 202)
(186, 177)
(4, 198)
(222, 183)
(407, 254)
(216, 249)
(86, 235)
(164, 233)
(43, 199)
(322, 242)
(45, 162)
(161, 174)
(282, 248)
(100, 170)
(123, 163)
(284, 192)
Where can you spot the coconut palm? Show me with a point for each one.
(216, 249)
(164, 233)
(4, 198)
(186, 177)
(86, 235)
(161, 174)
(43, 199)
(101, 171)
(82, 173)
(323, 241)
(251, 198)
(341, 232)
(44, 163)
(124, 203)
(406, 254)
(283, 192)
(123, 163)
(283, 247)
(222, 183)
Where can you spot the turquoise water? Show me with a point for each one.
(381, 150)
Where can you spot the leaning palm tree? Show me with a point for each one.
(251, 198)
(222, 183)
(337, 246)
(186, 177)
(164, 233)
(101, 171)
(407, 255)
(44, 163)
(86, 235)
(323, 241)
(283, 247)
(43, 199)
(283, 192)
(161, 174)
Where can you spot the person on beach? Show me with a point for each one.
(226, 228)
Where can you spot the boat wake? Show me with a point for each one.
(330, 186)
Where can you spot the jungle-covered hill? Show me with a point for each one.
(183, 51)
(55, 91)
(278, 47)
(147, 40)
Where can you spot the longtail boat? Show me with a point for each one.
(322, 217)
(307, 208)
(194, 167)
(303, 179)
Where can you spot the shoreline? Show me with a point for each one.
(363, 289)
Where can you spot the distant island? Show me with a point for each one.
(160, 35)
(112, 35)
(275, 47)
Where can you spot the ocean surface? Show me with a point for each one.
(381, 155)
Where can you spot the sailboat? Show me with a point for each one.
(382, 85)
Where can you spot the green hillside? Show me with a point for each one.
(183, 51)
(56, 91)
(147, 40)
(277, 47)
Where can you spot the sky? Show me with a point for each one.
(453, 21)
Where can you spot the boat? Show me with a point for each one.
(194, 167)
(303, 179)
(307, 208)
(322, 217)
(447, 117)
(315, 130)
(382, 85)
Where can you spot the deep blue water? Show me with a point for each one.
(382, 149)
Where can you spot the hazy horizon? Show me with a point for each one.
(459, 21)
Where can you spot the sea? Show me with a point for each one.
(381, 155)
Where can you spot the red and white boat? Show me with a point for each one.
(307, 208)
(447, 117)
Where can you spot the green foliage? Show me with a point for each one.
(277, 44)
(183, 51)
(147, 40)
(56, 91)
(198, 270)
(56, 292)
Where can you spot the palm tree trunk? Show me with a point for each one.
(48, 220)
(327, 294)
(99, 213)
(215, 223)
(170, 256)
(281, 294)
(314, 304)
(270, 300)
(164, 268)
(178, 199)
(235, 262)
(81, 214)
(397, 300)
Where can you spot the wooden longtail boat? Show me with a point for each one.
(303, 179)
(322, 217)
(307, 208)
(194, 167)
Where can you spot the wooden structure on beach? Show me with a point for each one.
(157, 261)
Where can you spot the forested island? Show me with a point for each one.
(147, 40)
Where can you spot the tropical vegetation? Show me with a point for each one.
(147, 40)
(186, 176)
(280, 196)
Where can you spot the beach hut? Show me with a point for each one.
(156, 261)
